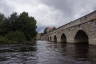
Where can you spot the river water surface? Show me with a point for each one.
(44, 52)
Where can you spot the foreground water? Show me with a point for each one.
(44, 52)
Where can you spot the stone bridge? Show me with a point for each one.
(81, 30)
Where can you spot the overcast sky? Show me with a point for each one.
(49, 12)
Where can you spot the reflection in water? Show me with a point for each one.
(82, 51)
(63, 46)
(43, 52)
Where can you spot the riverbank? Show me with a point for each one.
(17, 42)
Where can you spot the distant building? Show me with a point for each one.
(49, 29)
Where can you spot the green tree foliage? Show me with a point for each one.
(1, 18)
(2, 24)
(27, 25)
(18, 27)
(16, 36)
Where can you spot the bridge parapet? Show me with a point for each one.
(84, 19)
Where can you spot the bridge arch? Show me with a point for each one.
(63, 38)
(81, 37)
(55, 38)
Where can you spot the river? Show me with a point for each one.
(44, 52)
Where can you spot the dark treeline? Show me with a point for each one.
(17, 28)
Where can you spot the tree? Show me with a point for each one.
(27, 25)
(2, 19)
(14, 25)
(11, 22)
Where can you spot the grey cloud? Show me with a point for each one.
(70, 8)
(63, 5)
(49, 12)
(5, 8)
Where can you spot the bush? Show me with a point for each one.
(16, 36)
(3, 39)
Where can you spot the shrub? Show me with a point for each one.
(16, 36)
